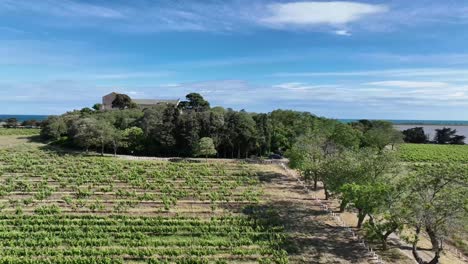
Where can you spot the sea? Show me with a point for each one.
(22, 118)
(429, 126)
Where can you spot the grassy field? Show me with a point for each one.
(434, 153)
(19, 131)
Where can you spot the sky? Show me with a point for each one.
(394, 59)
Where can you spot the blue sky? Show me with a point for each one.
(394, 59)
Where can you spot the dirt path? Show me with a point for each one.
(314, 236)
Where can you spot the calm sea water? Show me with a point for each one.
(24, 117)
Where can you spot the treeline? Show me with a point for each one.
(14, 123)
(194, 128)
(430, 199)
(444, 135)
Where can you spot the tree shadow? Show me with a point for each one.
(268, 176)
(33, 139)
(304, 236)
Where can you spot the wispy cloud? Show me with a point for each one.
(342, 32)
(333, 13)
(62, 8)
(410, 72)
(409, 84)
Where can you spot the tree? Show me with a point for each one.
(368, 186)
(308, 156)
(205, 148)
(380, 137)
(97, 107)
(159, 125)
(122, 101)
(447, 135)
(85, 132)
(415, 135)
(436, 202)
(194, 102)
(116, 138)
(86, 111)
(11, 123)
(133, 140)
(346, 136)
(458, 140)
(53, 128)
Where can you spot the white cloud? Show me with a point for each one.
(342, 32)
(410, 72)
(410, 84)
(64, 8)
(320, 13)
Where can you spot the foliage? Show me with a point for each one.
(195, 102)
(448, 136)
(415, 135)
(205, 147)
(436, 202)
(53, 128)
(122, 101)
(176, 131)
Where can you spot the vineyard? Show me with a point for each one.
(70, 208)
(434, 153)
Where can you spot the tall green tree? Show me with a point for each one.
(205, 148)
(447, 135)
(53, 128)
(122, 101)
(415, 135)
(194, 102)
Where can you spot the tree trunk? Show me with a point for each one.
(327, 194)
(437, 247)
(102, 149)
(361, 217)
(415, 247)
(343, 205)
(385, 239)
(239, 152)
(315, 182)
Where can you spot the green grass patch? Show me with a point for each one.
(19, 131)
